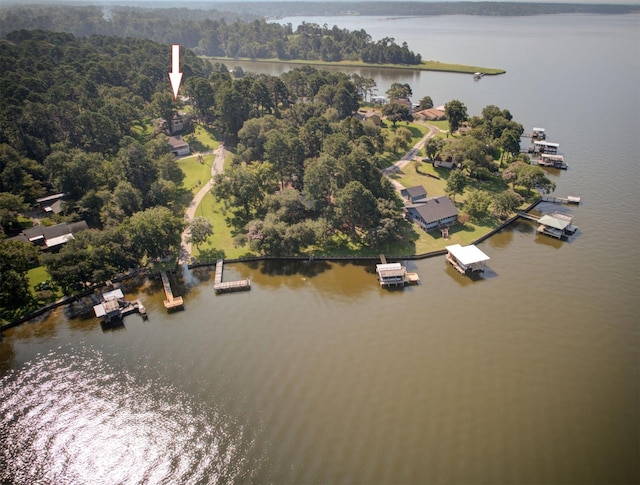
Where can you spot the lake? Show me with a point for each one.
(528, 375)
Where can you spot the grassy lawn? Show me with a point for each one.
(195, 173)
(220, 244)
(36, 276)
(432, 179)
(203, 139)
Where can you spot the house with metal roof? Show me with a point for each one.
(466, 259)
(433, 213)
(51, 237)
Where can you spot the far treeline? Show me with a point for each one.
(210, 34)
(410, 8)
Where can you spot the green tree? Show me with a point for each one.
(504, 203)
(456, 113)
(15, 259)
(426, 103)
(356, 208)
(456, 183)
(395, 112)
(154, 232)
(200, 228)
(399, 91)
(477, 204)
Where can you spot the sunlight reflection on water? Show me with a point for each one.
(62, 425)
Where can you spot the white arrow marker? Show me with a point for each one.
(175, 76)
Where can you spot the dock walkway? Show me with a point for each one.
(172, 302)
(220, 286)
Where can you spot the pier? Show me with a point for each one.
(172, 302)
(571, 199)
(220, 286)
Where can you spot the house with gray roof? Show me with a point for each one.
(51, 237)
(414, 195)
(433, 213)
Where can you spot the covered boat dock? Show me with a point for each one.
(466, 259)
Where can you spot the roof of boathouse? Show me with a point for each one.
(467, 254)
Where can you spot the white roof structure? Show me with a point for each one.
(546, 144)
(467, 254)
(388, 267)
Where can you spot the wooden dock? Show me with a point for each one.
(528, 217)
(172, 302)
(220, 286)
(571, 199)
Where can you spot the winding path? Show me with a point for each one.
(400, 164)
(216, 167)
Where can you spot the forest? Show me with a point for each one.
(212, 33)
(76, 118)
(81, 116)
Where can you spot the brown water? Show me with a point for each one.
(528, 375)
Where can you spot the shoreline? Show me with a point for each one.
(431, 66)
(144, 272)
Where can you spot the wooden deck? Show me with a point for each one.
(172, 302)
(220, 286)
(571, 199)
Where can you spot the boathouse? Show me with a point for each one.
(542, 146)
(109, 309)
(391, 274)
(466, 259)
(555, 161)
(433, 213)
(556, 225)
(538, 133)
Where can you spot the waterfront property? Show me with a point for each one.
(466, 259)
(434, 213)
(542, 146)
(554, 161)
(51, 237)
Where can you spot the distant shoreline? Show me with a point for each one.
(433, 66)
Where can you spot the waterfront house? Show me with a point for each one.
(466, 259)
(177, 123)
(414, 195)
(51, 237)
(431, 114)
(433, 213)
(178, 146)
